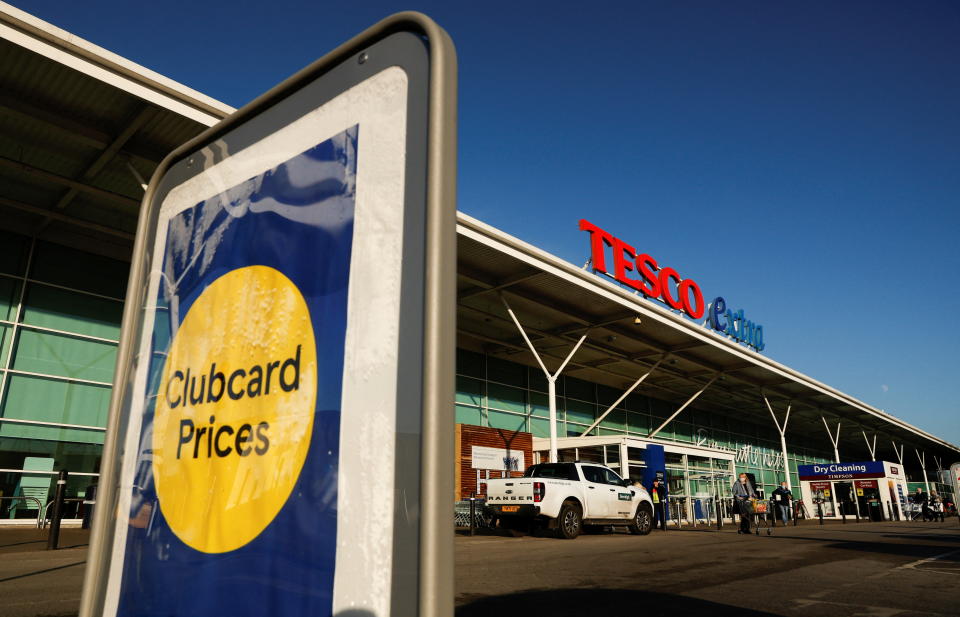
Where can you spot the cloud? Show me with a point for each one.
(885, 388)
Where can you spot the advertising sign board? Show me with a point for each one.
(499, 459)
(278, 421)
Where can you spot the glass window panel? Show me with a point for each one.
(53, 263)
(506, 372)
(682, 431)
(13, 253)
(540, 427)
(58, 309)
(538, 381)
(577, 388)
(616, 419)
(606, 395)
(469, 391)
(50, 433)
(9, 294)
(5, 333)
(470, 363)
(75, 457)
(539, 404)
(468, 415)
(638, 423)
(57, 354)
(50, 400)
(507, 421)
(580, 411)
(507, 398)
(637, 402)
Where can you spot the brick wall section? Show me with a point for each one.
(468, 436)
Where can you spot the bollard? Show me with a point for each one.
(843, 513)
(820, 512)
(53, 540)
(795, 510)
(473, 514)
(718, 513)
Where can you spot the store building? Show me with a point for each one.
(80, 130)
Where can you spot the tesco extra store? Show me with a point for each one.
(612, 352)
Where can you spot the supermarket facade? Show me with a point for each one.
(624, 367)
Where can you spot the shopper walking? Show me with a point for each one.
(742, 494)
(782, 498)
(658, 493)
(920, 502)
(936, 506)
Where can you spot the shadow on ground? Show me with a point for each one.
(580, 602)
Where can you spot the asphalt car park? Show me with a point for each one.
(881, 569)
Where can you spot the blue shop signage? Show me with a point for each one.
(841, 471)
(735, 325)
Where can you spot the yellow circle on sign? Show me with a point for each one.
(234, 411)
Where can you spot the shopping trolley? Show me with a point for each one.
(759, 509)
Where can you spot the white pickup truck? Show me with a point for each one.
(569, 497)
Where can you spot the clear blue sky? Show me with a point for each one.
(801, 159)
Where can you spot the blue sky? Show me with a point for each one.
(800, 159)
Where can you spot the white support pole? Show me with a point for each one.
(783, 438)
(872, 448)
(835, 440)
(899, 451)
(623, 396)
(923, 466)
(551, 378)
(624, 460)
(684, 406)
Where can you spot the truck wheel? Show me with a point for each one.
(570, 520)
(642, 520)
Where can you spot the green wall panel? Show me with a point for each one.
(50, 400)
(58, 309)
(65, 356)
(468, 415)
(469, 391)
(508, 421)
(506, 398)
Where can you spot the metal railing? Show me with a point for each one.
(46, 508)
(40, 508)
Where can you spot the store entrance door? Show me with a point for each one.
(844, 492)
(868, 496)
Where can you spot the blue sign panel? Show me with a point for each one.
(841, 471)
(236, 473)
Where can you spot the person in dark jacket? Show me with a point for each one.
(658, 494)
(742, 493)
(920, 500)
(782, 498)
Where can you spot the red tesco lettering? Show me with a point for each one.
(654, 282)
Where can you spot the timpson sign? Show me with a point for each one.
(643, 274)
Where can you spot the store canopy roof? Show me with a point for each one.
(79, 128)
(557, 303)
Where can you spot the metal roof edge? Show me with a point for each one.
(207, 110)
(691, 328)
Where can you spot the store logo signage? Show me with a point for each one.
(667, 285)
(748, 454)
(234, 419)
(734, 325)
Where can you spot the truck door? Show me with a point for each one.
(621, 501)
(597, 492)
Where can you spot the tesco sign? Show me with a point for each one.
(679, 293)
(641, 272)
